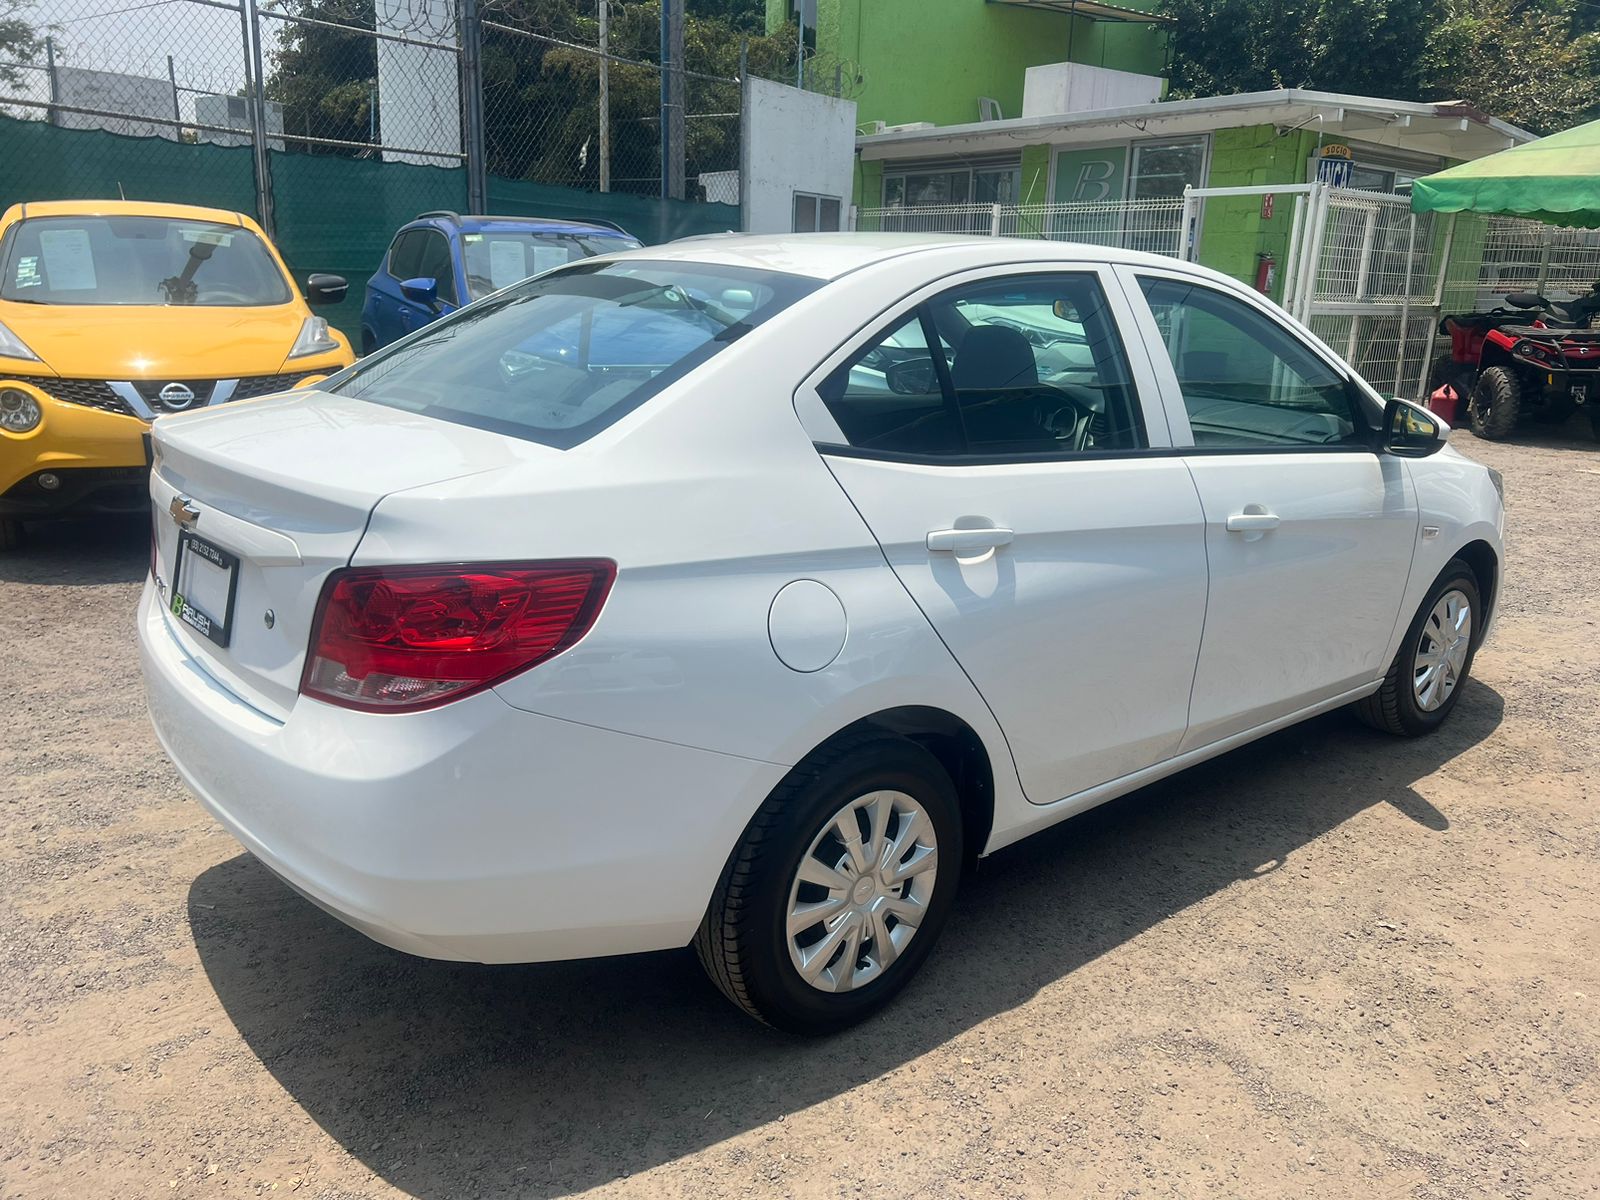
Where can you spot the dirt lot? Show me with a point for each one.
(1330, 964)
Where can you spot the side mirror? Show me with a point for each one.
(422, 290)
(1411, 431)
(914, 377)
(325, 289)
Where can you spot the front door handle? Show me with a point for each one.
(1254, 519)
(969, 539)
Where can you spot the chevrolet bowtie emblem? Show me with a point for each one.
(184, 512)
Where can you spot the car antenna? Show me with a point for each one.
(120, 193)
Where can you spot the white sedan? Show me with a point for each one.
(738, 592)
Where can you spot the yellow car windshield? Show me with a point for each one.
(139, 260)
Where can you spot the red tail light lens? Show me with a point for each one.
(397, 638)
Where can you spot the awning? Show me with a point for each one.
(1093, 10)
(1555, 179)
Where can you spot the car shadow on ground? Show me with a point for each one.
(79, 551)
(451, 1079)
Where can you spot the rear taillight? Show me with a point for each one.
(393, 638)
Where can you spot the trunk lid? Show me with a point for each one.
(285, 486)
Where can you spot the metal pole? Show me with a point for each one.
(251, 23)
(1405, 309)
(800, 44)
(172, 78)
(1291, 265)
(50, 69)
(675, 105)
(469, 33)
(666, 98)
(605, 96)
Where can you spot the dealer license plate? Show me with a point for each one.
(204, 579)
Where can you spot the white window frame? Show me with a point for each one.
(797, 195)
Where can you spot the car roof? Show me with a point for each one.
(828, 256)
(484, 223)
(126, 208)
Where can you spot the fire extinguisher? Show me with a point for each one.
(1266, 272)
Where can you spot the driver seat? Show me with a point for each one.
(996, 380)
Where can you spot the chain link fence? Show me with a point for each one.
(333, 122)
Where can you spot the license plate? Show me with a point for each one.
(204, 579)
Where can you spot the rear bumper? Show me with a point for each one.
(474, 831)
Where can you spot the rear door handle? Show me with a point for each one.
(969, 539)
(1253, 522)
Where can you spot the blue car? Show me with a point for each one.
(444, 260)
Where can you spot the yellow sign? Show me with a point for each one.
(1337, 150)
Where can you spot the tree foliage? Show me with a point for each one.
(21, 41)
(1533, 62)
(326, 79)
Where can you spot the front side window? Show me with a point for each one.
(1024, 366)
(557, 358)
(497, 259)
(406, 254)
(1246, 381)
(139, 260)
(435, 264)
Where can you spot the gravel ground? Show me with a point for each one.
(1330, 964)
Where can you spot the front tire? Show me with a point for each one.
(1433, 662)
(1496, 403)
(839, 888)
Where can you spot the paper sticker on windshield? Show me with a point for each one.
(508, 262)
(68, 261)
(28, 271)
(207, 237)
(546, 257)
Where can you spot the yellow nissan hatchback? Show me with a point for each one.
(115, 312)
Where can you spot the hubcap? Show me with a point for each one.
(1442, 650)
(861, 891)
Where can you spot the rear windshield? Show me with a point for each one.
(558, 358)
(499, 258)
(139, 260)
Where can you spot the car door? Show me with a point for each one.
(1004, 447)
(1309, 529)
(384, 299)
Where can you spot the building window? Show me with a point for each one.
(1161, 170)
(929, 187)
(815, 214)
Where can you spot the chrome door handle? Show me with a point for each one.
(1252, 522)
(968, 539)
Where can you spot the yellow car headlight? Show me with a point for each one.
(19, 412)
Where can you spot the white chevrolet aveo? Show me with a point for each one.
(737, 592)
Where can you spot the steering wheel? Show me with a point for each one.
(219, 295)
(1068, 420)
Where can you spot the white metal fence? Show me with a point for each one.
(1150, 225)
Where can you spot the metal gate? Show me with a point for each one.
(1362, 271)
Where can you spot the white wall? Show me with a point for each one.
(1057, 88)
(115, 92)
(794, 141)
(419, 89)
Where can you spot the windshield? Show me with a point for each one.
(558, 358)
(498, 259)
(139, 260)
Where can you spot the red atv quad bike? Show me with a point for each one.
(1537, 361)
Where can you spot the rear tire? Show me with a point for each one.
(10, 533)
(1496, 403)
(855, 953)
(1403, 704)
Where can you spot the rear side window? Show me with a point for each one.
(559, 357)
(1024, 366)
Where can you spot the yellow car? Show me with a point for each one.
(115, 312)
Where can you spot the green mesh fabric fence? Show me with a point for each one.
(44, 162)
(340, 214)
(649, 220)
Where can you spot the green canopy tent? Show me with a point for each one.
(1555, 180)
